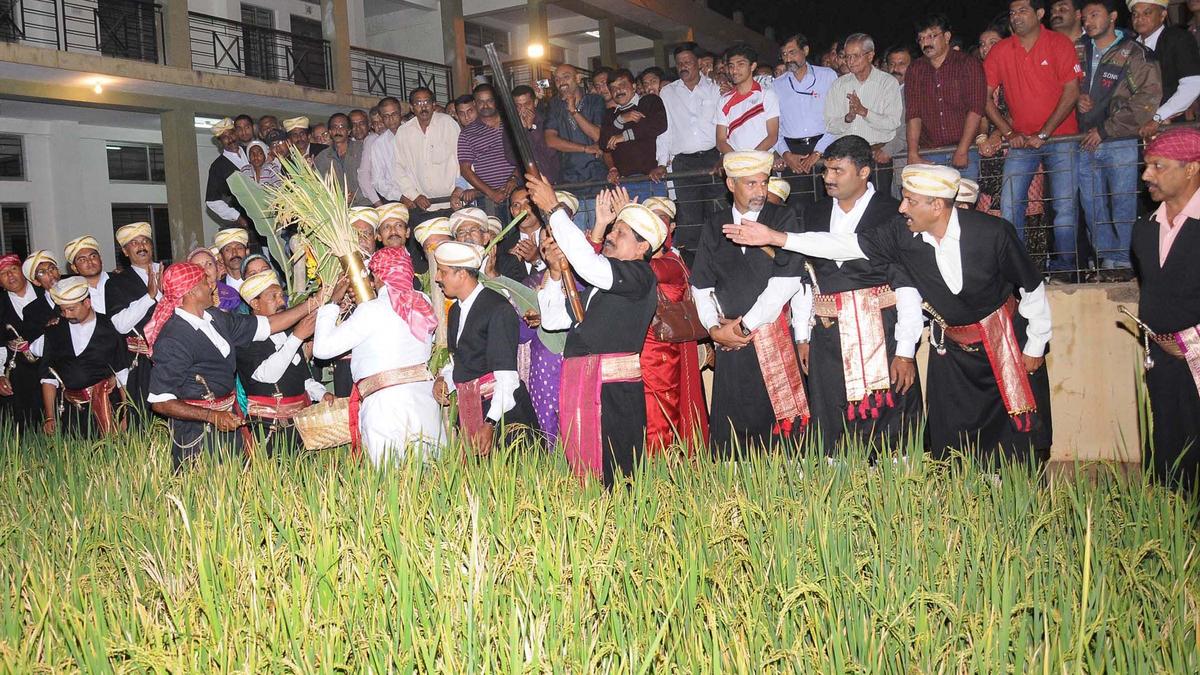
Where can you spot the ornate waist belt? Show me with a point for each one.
(276, 407)
(828, 304)
(137, 345)
(221, 404)
(863, 340)
(391, 378)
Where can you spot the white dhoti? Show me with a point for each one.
(401, 419)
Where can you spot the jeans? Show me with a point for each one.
(1108, 191)
(944, 158)
(587, 214)
(643, 189)
(1020, 166)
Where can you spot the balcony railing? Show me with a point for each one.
(224, 46)
(523, 72)
(380, 74)
(127, 29)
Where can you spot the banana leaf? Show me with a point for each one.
(525, 298)
(256, 204)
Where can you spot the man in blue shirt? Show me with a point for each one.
(573, 129)
(802, 135)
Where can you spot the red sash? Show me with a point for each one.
(580, 409)
(999, 340)
(97, 397)
(470, 403)
(781, 373)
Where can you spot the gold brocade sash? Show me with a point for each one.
(863, 343)
(391, 378)
(96, 396)
(781, 373)
(1188, 341)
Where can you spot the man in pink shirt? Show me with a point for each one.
(1166, 245)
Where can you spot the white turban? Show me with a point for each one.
(254, 285)
(931, 180)
(69, 291)
(29, 267)
(748, 163)
(779, 187)
(295, 123)
(425, 230)
(393, 210)
(661, 205)
(459, 254)
(494, 226)
(222, 126)
(127, 233)
(1157, 3)
(569, 200)
(76, 245)
(968, 191)
(230, 235)
(367, 214)
(467, 215)
(645, 222)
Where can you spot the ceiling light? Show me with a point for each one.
(536, 50)
(593, 33)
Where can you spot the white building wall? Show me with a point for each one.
(415, 33)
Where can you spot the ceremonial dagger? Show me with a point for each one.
(526, 157)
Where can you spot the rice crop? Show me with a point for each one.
(109, 562)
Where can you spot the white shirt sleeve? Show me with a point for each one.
(802, 312)
(1182, 99)
(447, 374)
(126, 320)
(1035, 307)
(330, 339)
(366, 184)
(910, 322)
(592, 267)
(223, 210)
(770, 103)
(274, 366)
(504, 395)
(771, 301)
(706, 306)
(38, 346)
(3, 354)
(160, 398)
(50, 381)
(264, 329)
(315, 390)
(122, 376)
(827, 245)
(552, 303)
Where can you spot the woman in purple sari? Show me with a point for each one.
(545, 370)
(228, 299)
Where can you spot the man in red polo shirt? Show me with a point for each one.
(1038, 73)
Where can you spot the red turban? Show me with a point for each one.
(177, 281)
(393, 267)
(1181, 145)
(10, 260)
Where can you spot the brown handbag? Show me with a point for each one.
(678, 321)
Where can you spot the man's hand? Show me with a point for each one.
(802, 351)
(631, 117)
(750, 233)
(903, 373)
(5, 386)
(856, 106)
(153, 282)
(441, 392)
(808, 162)
(226, 420)
(593, 149)
(541, 192)
(729, 335)
(613, 142)
(49, 426)
(880, 156)
(1149, 130)
(792, 161)
(960, 158)
(658, 173)
(1084, 104)
(423, 202)
(991, 146)
(328, 399)
(914, 158)
(482, 440)
(17, 345)
(306, 327)
(525, 250)
(1033, 363)
(1034, 142)
(528, 115)
(556, 261)
(614, 176)
(339, 291)
(532, 319)
(1090, 141)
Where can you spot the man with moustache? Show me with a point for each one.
(383, 156)
(1175, 51)
(464, 110)
(1066, 18)
(297, 129)
(243, 130)
(344, 157)
(483, 155)
(573, 129)
(470, 226)
(1165, 248)
(987, 390)
(275, 372)
(83, 258)
(629, 135)
(858, 347)
(42, 271)
(217, 196)
(19, 379)
(944, 100)
(230, 244)
(802, 91)
(85, 358)
(483, 331)
(131, 295)
(427, 167)
(267, 124)
(363, 131)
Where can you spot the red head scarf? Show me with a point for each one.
(1181, 145)
(393, 267)
(10, 260)
(177, 281)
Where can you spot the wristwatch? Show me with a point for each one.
(1043, 136)
(742, 329)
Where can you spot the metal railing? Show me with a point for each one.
(380, 74)
(1069, 242)
(127, 29)
(523, 72)
(223, 46)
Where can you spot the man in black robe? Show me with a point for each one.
(130, 295)
(967, 266)
(758, 397)
(602, 397)
(482, 334)
(192, 379)
(217, 196)
(19, 390)
(859, 347)
(83, 258)
(85, 363)
(298, 135)
(1166, 246)
(275, 373)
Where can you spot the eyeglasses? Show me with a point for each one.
(809, 90)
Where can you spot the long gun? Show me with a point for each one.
(527, 159)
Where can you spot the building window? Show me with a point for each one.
(136, 162)
(478, 36)
(14, 229)
(160, 225)
(12, 158)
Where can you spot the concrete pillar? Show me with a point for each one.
(454, 45)
(608, 43)
(662, 57)
(335, 17)
(184, 199)
(177, 34)
(539, 27)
